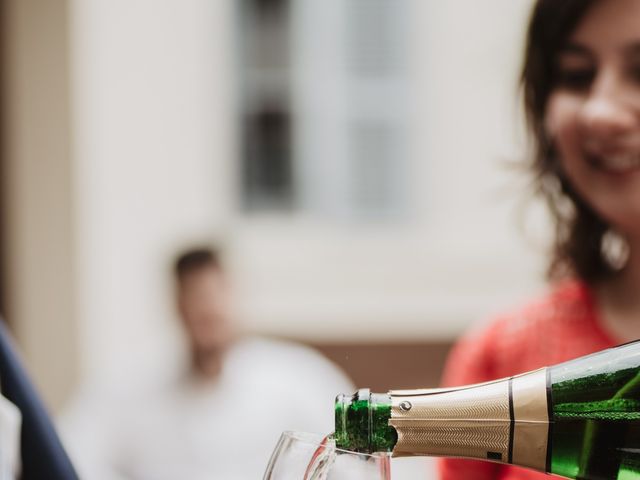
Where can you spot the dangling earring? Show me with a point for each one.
(614, 249)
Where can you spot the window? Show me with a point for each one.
(323, 107)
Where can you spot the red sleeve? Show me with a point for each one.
(468, 362)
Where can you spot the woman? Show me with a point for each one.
(581, 81)
(29, 446)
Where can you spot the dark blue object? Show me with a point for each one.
(43, 457)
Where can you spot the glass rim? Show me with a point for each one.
(315, 439)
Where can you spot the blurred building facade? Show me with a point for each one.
(350, 153)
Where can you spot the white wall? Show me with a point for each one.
(152, 150)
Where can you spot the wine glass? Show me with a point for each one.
(305, 456)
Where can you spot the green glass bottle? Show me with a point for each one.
(579, 419)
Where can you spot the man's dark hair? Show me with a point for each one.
(195, 259)
(578, 228)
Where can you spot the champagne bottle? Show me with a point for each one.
(579, 419)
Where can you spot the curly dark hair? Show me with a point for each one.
(578, 229)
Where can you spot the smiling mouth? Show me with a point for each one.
(618, 163)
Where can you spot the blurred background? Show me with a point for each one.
(357, 158)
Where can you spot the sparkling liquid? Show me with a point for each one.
(325, 456)
(321, 460)
(596, 423)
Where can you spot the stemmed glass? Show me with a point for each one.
(305, 456)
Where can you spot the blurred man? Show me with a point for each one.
(202, 294)
(222, 415)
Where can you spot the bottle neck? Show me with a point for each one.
(505, 421)
(362, 422)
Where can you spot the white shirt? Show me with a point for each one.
(226, 429)
(10, 422)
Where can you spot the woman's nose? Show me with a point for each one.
(608, 112)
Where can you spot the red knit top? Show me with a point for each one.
(562, 326)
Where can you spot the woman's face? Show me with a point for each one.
(593, 112)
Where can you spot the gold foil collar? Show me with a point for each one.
(504, 421)
(468, 422)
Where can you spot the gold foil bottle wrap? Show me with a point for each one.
(504, 421)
